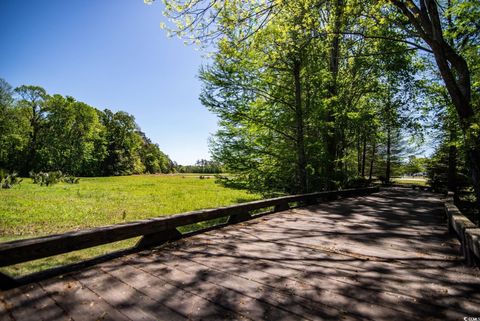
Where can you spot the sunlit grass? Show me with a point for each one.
(30, 210)
(406, 181)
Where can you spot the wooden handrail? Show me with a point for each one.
(155, 230)
(467, 232)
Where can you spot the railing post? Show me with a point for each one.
(7, 282)
(284, 206)
(156, 239)
(449, 202)
(311, 200)
(331, 196)
(240, 217)
(473, 244)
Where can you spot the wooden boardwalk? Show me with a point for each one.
(386, 256)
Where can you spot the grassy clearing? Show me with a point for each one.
(33, 210)
(407, 181)
(30, 210)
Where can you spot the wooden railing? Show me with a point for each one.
(154, 231)
(467, 232)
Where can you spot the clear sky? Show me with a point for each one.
(110, 54)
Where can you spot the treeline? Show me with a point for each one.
(202, 166)
(42, 132)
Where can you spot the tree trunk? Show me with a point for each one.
(331, 132)
(359, 157)
(389, 144)
(32, 146)
(331, 148)
(452, 164)
(374, 147)
(364, 155)
(301, 157)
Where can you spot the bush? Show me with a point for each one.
(8, 180)
(51, 178)
(47, 178)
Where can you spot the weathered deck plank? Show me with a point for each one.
(130, 302)
(385, 256)
(186, 303)
(198, 283)
(31, 302)
(79, 302)
(250, 292)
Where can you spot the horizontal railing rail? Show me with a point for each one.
(154, 231)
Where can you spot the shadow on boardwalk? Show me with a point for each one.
(385, 256)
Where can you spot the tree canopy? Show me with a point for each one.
(315, 94)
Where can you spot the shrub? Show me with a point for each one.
(47, 178)
(8, 180)
(36, 177)
(51, 178)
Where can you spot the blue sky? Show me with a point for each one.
(110, 54)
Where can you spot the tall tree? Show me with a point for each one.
(460, 18)
(73, 137)
(446, 29)
(123, 143)
(291, 77)
(33, 99)
(14, 129)
(154, 160)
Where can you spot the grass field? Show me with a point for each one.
(30, 210)
(410, 181)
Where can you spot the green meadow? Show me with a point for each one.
(29, 210)
(407, 181)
